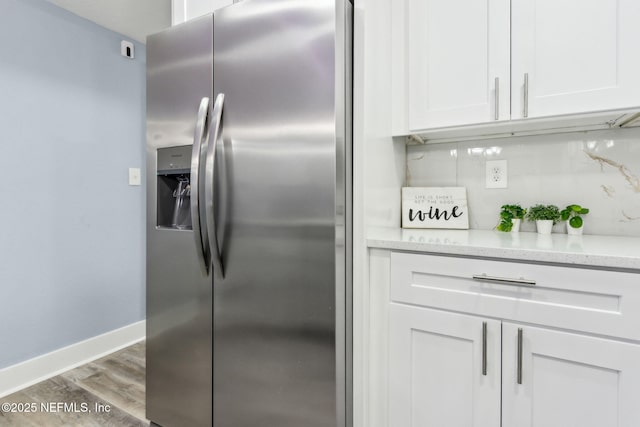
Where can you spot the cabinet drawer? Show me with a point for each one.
(596, 301)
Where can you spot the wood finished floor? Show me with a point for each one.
(117, 380)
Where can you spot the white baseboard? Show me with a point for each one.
(32, 371)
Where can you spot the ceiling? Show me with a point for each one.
(132, 18)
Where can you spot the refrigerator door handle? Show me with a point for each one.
(209, 186)
(201, 125)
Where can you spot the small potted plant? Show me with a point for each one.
(572, 214)
(510, 218)
(544, 216)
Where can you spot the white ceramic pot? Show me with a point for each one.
(574, 231)
(516, 225)
(544, 226)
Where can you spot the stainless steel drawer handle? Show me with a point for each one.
(484, 348)
(504, 280)
(519, 379)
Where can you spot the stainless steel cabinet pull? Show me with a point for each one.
(484, 348)
(497, 100)
(504, 280)
(196, 152)
(519, 355)
(212, 226)
(526, 95)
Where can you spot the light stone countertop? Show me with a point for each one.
(588, 250)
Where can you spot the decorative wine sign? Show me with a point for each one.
(435, 207)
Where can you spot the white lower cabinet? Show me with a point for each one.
(456, 370)
(509, 352)
(441, 374)
(568, 380)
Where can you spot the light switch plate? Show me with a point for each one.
(134, 176)
(496, 174)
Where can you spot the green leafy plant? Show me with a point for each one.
(544, 213)
(507, 214)
(572, 214)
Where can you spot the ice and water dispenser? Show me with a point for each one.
(174, 187)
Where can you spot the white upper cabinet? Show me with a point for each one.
(579, 56)
(469, 62)
(184, 10)
(458, 62)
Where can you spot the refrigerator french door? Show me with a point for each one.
(249, 217)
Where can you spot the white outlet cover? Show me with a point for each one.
(496, 174)
(134, 176)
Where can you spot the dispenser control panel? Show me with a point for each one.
(174, 158)
(174, 188)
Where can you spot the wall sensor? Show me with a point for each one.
(126, 49)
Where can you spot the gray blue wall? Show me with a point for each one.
(72, 113)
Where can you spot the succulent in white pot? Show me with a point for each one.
(510, 218)
(575, 223)
(545, 217)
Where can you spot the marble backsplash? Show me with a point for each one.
(597, 169)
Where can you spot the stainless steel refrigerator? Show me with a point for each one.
(249, 217)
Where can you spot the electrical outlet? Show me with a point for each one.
(496, 174)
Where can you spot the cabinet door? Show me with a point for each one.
(456, 51)
(436, 369)
(580, 56)
(569, 380)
